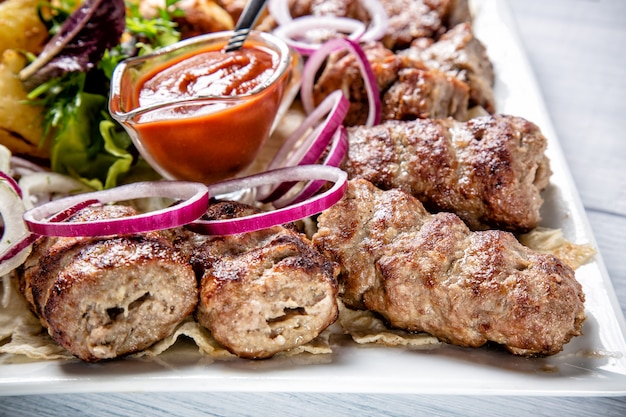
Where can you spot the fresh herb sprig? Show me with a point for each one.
(60, 97)
(143, 35)
(54, 15)
(155, 32)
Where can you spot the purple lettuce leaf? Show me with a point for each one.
(94, 27)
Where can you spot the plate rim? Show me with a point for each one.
(52, 377)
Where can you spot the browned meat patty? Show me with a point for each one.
(101, 298)
(430, 273)
(460, 54)
(425, 94)
(408, 89)
(489, 171)
(341, 72)
(412, 19)
(263, 292)
(430, 80)
(341, 8)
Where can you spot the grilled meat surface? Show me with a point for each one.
(412, 19)
(261, 292)
(460, 54)
(408, 19)
(101, 298)
(341, 8)
(489, 171)
(432, 79)
(408, 88)
(422, 93)
(424, 272)
(341, 72)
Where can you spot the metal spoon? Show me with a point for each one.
(245, 23)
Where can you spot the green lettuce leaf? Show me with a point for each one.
(91, 147)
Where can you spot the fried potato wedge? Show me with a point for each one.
(20, 122)
(20, 27)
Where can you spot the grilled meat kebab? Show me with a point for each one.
(261, 292)
(105, 297)
(431, 79)
(490, 170)
(460, 54)
(425, 272)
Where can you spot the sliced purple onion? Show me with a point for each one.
(299, 149)
(334, 158)
(194, 196)
(15, 243)
(316, 61)
(379, 21)
(254, 222)
(297, 31)
(377, 28)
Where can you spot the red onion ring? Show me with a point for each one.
(196, 202)
(312, 147)
(11, 182)
(14, 246)
(16, 239)
(298, 28)
(12, 256)
(279, 10)
(335, 108)
(280, 216)
(379, 20)
(70, 211)
(16, 253)
(39, 187)
(24, 166)
(334, 158)
(315, 62)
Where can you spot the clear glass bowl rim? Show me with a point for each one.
(115, 105)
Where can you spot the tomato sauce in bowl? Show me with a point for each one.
(198, 113)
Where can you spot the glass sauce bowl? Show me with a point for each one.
(194, 134)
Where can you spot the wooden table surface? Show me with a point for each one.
(578, 53)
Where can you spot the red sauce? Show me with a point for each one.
(208, 140)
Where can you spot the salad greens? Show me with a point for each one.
(80, 42)
(71, 80)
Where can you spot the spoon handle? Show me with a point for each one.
(245, 23)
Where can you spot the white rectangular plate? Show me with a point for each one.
(592, 364)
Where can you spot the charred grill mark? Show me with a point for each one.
(94, 294)
(489, 170)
